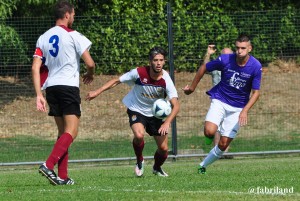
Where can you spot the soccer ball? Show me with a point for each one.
(161, 108)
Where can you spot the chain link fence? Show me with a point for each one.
(104, 130)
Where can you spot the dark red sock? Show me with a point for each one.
(63, 166)
(60, 148)
(138, 150)
(159, 159)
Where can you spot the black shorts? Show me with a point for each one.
(151, 124)
(63, 100)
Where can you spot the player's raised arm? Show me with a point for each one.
(110, 84)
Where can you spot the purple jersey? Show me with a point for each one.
(236, 81)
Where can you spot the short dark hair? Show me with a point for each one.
(61, 8)
(243, 38)
(155, 51)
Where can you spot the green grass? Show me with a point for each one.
(21, 149)
(24, 148)
(225, 180)
(265, 143)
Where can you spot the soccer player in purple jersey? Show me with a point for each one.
(149, 84)
(231, 98)
(216, 78)
(61, 49)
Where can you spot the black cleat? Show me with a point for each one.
(50, 174)
(67, 181)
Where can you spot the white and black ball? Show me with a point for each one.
(161, 108)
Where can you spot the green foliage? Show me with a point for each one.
(10, 41)
(119, 40)
(274, 33)
(289, 34)
(35, 8)
(39, 2)
(193, 32)
(123, 31)
(6, 8)
(133, 28)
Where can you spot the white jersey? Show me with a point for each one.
(62, 48)
(146, 90)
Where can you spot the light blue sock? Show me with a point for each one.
(212, 156)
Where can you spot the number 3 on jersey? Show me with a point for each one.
(54, 41)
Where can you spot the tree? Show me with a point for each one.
(6, 8)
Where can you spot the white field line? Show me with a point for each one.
(94, 188)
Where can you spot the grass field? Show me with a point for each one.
(248, 178)
(28, 135)
(30, 149)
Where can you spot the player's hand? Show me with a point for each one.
(211, 49)
(87, 78)
(91, 95)
(243, 118)
(164, 128)
(187, 90)
(41, 104)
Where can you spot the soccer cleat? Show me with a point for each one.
(201, 170)
(209, 140)
(139, 169)
(160, 172)
(50, 174)
(67, 181)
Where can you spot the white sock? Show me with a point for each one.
(212, 156)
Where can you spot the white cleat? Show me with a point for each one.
(139, 169)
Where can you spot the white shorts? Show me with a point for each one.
(226, 117)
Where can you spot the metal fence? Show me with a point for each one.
(104, 130)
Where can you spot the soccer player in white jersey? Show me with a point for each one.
(149, 84)
(231, 98)
(61, 49)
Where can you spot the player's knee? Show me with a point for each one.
(73, 134)
(209, 132)
(163, 149)
(223, 145)
(138, 139)
(138, 134)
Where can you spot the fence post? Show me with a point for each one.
(171, 64)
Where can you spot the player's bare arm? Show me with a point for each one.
(110, 84)
(40, 100)
(163, 130)
(190, 89)
(88, 77)
(243, 118)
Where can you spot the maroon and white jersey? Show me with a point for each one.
(62, 48)
(146, 90)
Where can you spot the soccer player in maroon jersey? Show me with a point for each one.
(149, 84)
